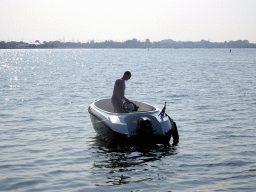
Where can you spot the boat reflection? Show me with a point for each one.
(118, 163)
(128, 156)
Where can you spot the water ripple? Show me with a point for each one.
(47, 142)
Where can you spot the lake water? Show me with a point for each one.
(47, 141)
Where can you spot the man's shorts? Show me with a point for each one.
(118, 107)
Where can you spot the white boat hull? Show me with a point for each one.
(122, 127)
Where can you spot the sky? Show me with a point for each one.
(121, 20)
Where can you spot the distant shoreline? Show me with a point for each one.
(134, 43)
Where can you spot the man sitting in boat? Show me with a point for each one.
(118, 93)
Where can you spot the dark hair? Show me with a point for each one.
(128, 73)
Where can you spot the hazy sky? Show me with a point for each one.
(118, 20)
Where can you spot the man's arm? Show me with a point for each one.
(127, 100)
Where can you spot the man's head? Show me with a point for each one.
(127, 75)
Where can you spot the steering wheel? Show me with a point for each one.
(130, 107)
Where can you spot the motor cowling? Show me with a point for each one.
(144, 126)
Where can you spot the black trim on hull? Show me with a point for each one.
(174, 131)
(108, 134)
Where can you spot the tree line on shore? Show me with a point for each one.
(134, 43)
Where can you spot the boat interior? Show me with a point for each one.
(106, 105)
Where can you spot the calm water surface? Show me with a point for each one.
(47, 142)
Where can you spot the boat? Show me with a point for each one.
(141, 123)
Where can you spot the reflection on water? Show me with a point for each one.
(118, 162)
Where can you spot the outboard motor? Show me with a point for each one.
(144, 126)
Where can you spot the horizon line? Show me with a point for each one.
(102, 41)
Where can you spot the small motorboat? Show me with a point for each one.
(141, 123)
